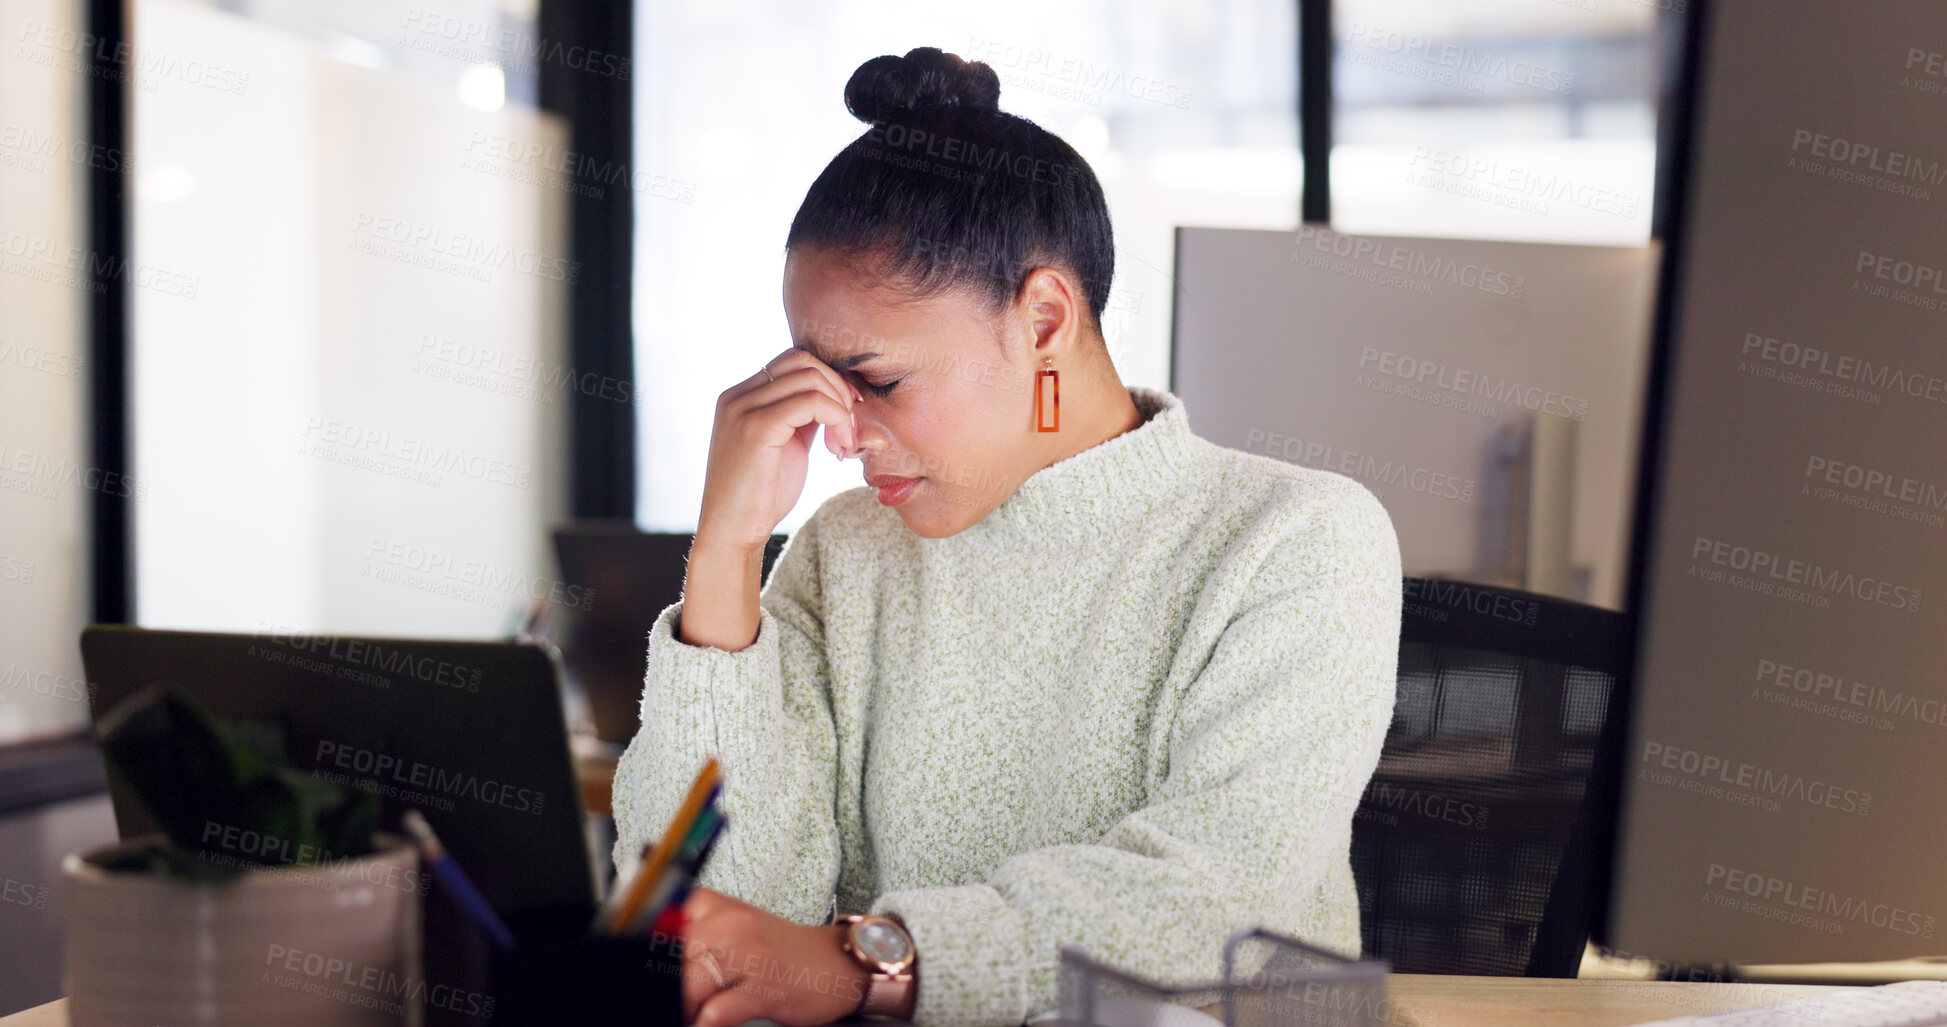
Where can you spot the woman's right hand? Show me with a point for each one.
(761, 446)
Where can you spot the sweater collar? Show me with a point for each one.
(1110, 484)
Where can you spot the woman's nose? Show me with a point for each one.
(866, 434)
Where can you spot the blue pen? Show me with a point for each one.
(449, 873)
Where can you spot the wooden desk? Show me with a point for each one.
(595, 773)
(54, 1014)
(1437, 1001)
(1428, 1000)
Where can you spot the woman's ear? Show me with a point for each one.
(1050, 302)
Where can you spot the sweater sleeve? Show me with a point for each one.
(1269, 751)
(765, 711)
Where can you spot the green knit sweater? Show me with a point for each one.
(1132, 709)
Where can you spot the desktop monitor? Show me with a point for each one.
(1783, 779)
(633, 576)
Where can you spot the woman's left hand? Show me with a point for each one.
(770, 967)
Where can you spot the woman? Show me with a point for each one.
(1109, 685)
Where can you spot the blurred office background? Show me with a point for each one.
(351, 228)
(318, 317)
(1188, 112)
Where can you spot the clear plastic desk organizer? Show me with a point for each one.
(1269, 980)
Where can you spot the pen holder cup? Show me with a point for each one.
(560, 973)
(1268, 980)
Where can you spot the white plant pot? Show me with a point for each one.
(328, 946)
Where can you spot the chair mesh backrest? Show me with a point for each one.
(1477, 839)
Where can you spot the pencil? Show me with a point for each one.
(650, 872)
(623, 889)
(708, 823)
(680, 877)
(671, 921)
(690, 843)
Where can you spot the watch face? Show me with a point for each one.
(881, 941)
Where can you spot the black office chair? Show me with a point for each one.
(1484, 834)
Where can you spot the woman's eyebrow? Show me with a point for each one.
(842, 363)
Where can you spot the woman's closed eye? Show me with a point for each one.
(879, 389)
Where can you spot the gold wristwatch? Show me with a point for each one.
(882, 947)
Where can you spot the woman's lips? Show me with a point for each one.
(893, 489)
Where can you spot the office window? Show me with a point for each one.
(1186, 111)
(45, 476)
(1528, 120)
(344, 245)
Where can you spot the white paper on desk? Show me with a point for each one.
(1124, 1011)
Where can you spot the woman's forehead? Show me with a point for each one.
(839, 358)
(844, 321)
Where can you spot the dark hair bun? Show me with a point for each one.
(884, 87)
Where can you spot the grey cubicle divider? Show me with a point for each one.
(1425, 369)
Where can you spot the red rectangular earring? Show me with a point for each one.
(1047, 398)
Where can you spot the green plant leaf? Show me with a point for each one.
(316, 797)
(345, 828)
(169, 752)
(256, 745)
(224, 792)
(275, 811)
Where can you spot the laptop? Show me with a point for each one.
(469, 733)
